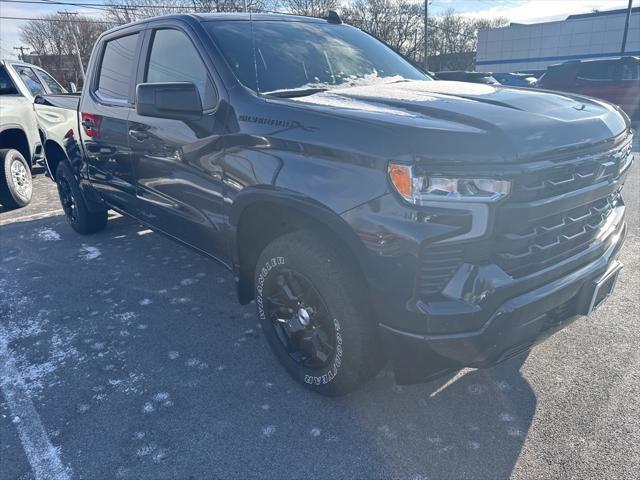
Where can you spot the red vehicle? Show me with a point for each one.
(616, 80)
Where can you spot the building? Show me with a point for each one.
(533, 47)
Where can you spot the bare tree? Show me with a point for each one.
(309, 8)
(232, 5)
(125, 11)
(52, 43)
(399, 23)
(452, 38)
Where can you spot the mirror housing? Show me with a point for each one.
(73, 88)
(174, 100)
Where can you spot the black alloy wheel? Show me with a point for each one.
(301, 319)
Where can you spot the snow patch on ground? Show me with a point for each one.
(506, 417)
(48, 235)
(88, 252)
(161, 397)
(20, 380)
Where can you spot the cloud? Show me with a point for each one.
(535, 11)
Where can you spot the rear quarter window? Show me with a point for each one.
(116, 68)
(597, 71)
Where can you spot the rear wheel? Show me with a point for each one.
(312, 309)
(16, 186)
(81, 219)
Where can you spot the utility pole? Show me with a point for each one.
(426, 48)
(626, 28)
(68, 14)
(21, 56)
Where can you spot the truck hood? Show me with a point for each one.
(509, 124)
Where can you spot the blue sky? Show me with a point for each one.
(523, 11)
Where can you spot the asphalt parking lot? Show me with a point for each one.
(125, 356)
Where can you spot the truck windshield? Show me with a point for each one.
(306, 56)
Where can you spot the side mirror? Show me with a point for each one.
(177, 101)
(73, 88)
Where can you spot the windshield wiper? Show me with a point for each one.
(299, 92)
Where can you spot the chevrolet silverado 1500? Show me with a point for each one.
(371, 212)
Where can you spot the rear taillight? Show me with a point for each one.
(91, 124)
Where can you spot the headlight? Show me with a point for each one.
(421, 188)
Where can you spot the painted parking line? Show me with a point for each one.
(29, 218)
(43, 457)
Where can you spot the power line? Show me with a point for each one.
(2, 17)
(54, 2)
(98, 5)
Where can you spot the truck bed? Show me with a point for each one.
(68, 100)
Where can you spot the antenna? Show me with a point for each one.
(333, 17)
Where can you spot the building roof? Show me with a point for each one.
(602, 13)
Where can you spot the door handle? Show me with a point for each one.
(138, 135)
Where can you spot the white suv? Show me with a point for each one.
(20, 138)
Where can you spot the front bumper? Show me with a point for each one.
(510, 328)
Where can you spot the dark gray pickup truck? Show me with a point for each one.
(371, 212)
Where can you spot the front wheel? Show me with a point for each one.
(16, 186)
(81, 219)
(313, 311)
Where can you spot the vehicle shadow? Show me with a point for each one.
(471, 424)
(150, 333)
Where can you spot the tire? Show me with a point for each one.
(16, 184)
(298, 269)
(81, 219)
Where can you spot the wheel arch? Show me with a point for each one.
(13, 136)
(53, 155)
(263, 214)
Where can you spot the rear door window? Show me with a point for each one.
(30, 79)
(116, 69)
(54, 86)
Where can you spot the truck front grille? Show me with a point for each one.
(550, 240)
(523, 247)
(568, 176)
(532, 230)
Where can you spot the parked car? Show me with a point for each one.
(516, 79)
(616, 80)
(372, 213)
(462, 76)
(20, 138)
